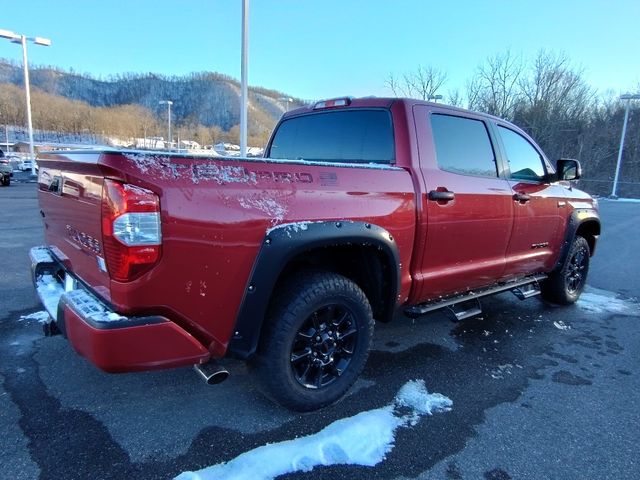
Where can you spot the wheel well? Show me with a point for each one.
(366, 265)
(590, 231)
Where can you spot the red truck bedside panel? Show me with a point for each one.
(215, 215)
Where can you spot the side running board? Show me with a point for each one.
(466, 309)
(467, 305)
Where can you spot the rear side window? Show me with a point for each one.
(356, 136)
(463, 146)
(525, 162)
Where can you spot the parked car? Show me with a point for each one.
(25, 164)
(360, 208)
(6, 170)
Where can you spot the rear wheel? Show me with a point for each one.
(565, 285)
(6, 180)
(316, 341)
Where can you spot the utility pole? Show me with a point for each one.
(628, 97)
(243, 78)
(22, 40)
(168, 103)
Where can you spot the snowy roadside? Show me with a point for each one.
(368, 437)
(619, 200)
(364, 439)
(595, 300)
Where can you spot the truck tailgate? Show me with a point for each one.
(70, 196)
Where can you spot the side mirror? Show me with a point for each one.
(568, 169)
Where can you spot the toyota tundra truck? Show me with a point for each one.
(360, 209)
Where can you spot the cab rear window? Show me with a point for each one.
(353, 136)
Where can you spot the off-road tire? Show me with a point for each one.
(565, 285)
(329, 305)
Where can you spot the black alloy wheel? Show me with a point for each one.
(564, 285)
(323, 347)
(315, 340)
(575, 275)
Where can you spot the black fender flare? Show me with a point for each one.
(283, 243)
(578, 217)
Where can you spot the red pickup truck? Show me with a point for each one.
(360, 208)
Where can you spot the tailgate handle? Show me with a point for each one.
(441, 196)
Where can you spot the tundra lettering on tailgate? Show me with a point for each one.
(83, 240)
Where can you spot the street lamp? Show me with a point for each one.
(168, 103)
(22, 39)
(435, 98)
(243, 78)
(286, 99)
(628, 97)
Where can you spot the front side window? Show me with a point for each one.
(463, 146)
(354, 136)
(525, 162)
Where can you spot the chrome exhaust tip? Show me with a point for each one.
(212, 372)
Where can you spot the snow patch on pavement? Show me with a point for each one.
(620, 200)
(601, 301)
(560, 325)
(42, 317)
(503, 370)
(364, 439)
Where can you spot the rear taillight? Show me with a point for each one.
(131, 232)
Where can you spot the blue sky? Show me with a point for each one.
(326, 48)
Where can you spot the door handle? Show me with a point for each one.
(441, 196)
(521, 197)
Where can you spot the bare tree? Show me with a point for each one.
(557, 104)
(454, 98)
(423, 83)
(554, 87)
(494, 88)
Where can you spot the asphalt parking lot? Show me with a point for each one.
(539, 392)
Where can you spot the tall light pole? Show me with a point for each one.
(243, 78)
(628, 97)
(22, 40)
(168, 103)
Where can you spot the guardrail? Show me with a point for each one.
(603, 188)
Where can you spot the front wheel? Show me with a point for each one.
(565, 285)
(316, 341)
